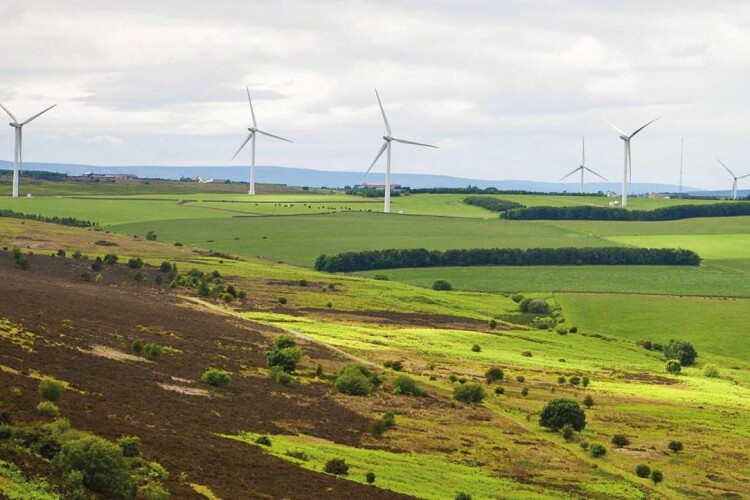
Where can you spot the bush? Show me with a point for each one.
(151, 236)
(48, 409)
(135, 263)
(493, 374)
(441, 285)
(380, 277)
(77, 254)
(642, 470)
(284, 341)
(567, 432)
(517, 297)
(574, 380)
(657, 476)
(282, 300)
(378, 427)
(681, 350)
(469, 393)
(130, 446)
(675, 446)
(302, 282)
(520, 378)
(527, 354)
(370, 477)
(137, 346)
(153, 492)
(153, 351)
(620, 440)
(216, 378)
(673, 366)
(499, 390)
(561, 330)
(395, 365)
(492, 324)
(263, 441)
(165, 267)
(111, 258)
(389, 418)
(476, 348)
(561, 379)
(534, 306)
(525, 391)
(337, 466)
(404, 384)
(356, 380)
(279, 375)
(711, 371)
(287, 358)
(585, 381)
(319, 370)
(453, 378)
(102, 465)
(573, 329)
(97, 264)
(597, 450)
(462, 496)
(51, 390)
(560, 411)
(588, 401)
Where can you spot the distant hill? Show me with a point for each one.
(327, 178)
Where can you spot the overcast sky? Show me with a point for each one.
(506, 89)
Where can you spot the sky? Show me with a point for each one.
(506, 89)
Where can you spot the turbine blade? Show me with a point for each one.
(252, 111)
(601, 177)
(249, 136)
(583, 150)
(613, 126)
(38, 115)
(9, 114)
(404, 141)
(377, 157)
(274, 136)
(646, 125)
(385, 119)
(743, 176)
(725, 167)
(571, 173)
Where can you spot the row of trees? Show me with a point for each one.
(603, 213)
(491, 190)
(42, 175)
(491, 203)
(64, 221)
(420, 257)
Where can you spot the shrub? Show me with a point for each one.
(302, 282)
(588, 401)
(150, 236)
(153, 492)
(356, 380)
(279, 375)
(380, 277)
(61, 253)
(284, 341)
(287, 358)
(567, 432)
(675, 446)
(137, 346)
(282, 300)
(111, 258)
(97, 264)
(527, 354)
(525, 391)
(337, 466)
(561, 379)
(378, 427)
(476, 348)
(216, 378)
(153, 351)
(441, 285)
(135, 263)
(453, 377)
(642, 470)
(395, 365)
(469, 393)
(585, 381)
(165, 267)
(620, 440)
(534, 306)
(520, 378)
(499, 390)
(48, 409)
(318, 370)
(561, 330)
(98, 278)
(77, 254)
(711, 371)
(493, 374)
(389, 418)
(404, 384)
(370, 477)
(102, 465)
(130, 446)
(597, 450)
(673, 366)
(681, 350)
(574, 380)
(573, 329)
(517, 297)
(51, 389)
(560, 411)
(492, 324)
(263, 441)
(462, 496)
(657, 476)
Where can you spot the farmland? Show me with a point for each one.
(438, 446)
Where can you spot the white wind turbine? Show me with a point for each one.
(582, 167)
(628, 170)
(736, 178)
(18, 158)
(253, 130)
(387, 145)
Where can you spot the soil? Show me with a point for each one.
(76, 323)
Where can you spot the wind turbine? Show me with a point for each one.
(734, 184)
(628, 170)
(583, 166)
(387, 145)
(253, 130)
(18, 158)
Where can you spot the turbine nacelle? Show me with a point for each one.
(387, 138)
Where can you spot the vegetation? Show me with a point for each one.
(101, 464)
(681, 350)
(337, 466)
(64, 221)
(642, 470)
(404, 384)
(216, 378)
(491, 203)
(562, 411)
(584, 212)
(441, 285)
(673, 366)
(356, 380)
(469, 393)
(493, 374)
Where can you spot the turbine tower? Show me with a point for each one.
(736, 178)
(583, 166)
(387, 145)
(628, 169)
(253, 131)
(18, 158)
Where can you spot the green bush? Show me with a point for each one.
(657, 476)
(588, 401)
(460, 495)
(319, 370)
(263, 441)
(493, 374)
(337, 466)
(525, 391)
(165, 267)
(282, 300)
(404, 384)
(573, 329)
(153, 351)
(597, 450)
(675, 446)
(110, 259)
(560, 411)
(51, 389)
(534, 306)
(130, 446)
(370, 477)
(520, 378)
(287, 358)
(216, 378)
(102, 465)
(380, 277)
(567, 432)
(620, 440)
(395, 365)
(151, 236)
(48, 409)
(492, 324)
(441, 285)
(561, 379)
(137, 346)
(153, 492)
(642, 470)
(673, 366)
(711, 371)
(97, 264)
(499, 390)
(356, 380)
(681, 350)
(284, 341)
(574, 380)
(476, 348)
(517, 297)
(585, 381)
(469, 393)
(279, 375)
(135, 263)
(302, 282)
(453, 378)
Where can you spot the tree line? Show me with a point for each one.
(420, 257)
(42, 175)
(493, 190)
(491, 203)
(63, 221)
(674, 212)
